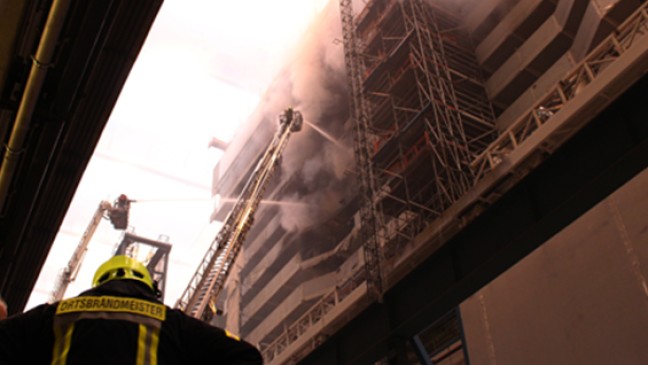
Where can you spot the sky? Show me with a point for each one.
(200, 74)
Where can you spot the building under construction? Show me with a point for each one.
(468, 185)
(469, 189)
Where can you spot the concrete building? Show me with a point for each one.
(469, 188)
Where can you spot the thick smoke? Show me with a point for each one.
(318, 159)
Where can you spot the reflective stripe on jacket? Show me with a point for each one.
(147, 316)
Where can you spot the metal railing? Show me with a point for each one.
(610, 49)
(314, 316)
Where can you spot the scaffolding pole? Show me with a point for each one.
(359, 114)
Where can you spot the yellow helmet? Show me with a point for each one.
(122, 267)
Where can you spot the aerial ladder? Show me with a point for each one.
(117, 213)
(200, 296)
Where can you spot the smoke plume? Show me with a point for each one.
(318, 159)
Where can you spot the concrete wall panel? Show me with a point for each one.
(539, 88)
(581, 298)
(512, 31)
(600, 19)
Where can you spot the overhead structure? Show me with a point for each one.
(63, 65)
(200, 296)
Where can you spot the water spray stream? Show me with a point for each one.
(326, 135)
(269, 202)
(168, 200)
(284, 203)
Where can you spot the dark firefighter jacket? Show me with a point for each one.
(119, 322)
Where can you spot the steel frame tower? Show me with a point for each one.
(157, 261)
(417, 99)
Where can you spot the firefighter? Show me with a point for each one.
(118, 214)
(119, 321)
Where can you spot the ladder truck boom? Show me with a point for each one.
(199, 298)
(118, 215)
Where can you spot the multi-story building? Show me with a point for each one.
(482, 131)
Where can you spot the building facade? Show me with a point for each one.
(423, 121)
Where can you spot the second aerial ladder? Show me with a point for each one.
(118, 216)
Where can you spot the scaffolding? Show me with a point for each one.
(422, 116)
